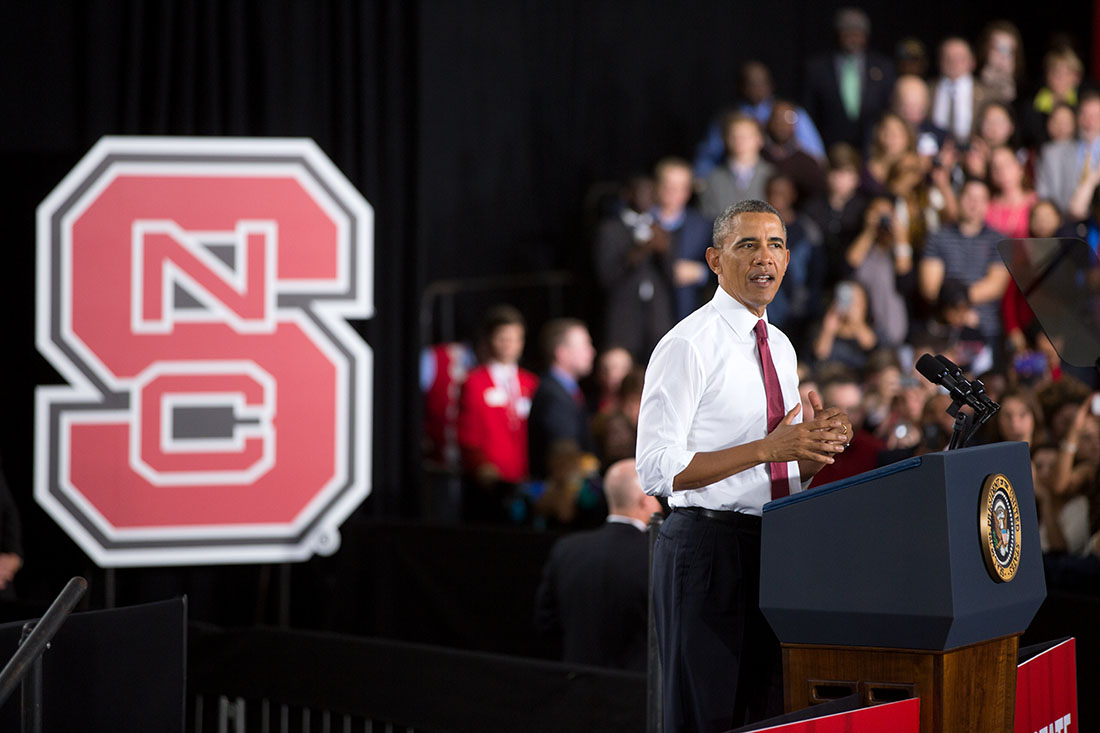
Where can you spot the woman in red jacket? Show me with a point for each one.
(492, 419)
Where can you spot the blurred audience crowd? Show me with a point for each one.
(897, 176)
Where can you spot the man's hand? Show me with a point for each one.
(808, 468)
(816, 440)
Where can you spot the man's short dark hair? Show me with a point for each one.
(723, 225)
(553, 335)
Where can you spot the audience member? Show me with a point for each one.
(958, 95)
(847, 90)
(1064, 526)
(492, 418)
(634, 263)
(689, 230)
(882, 382)
(1062, 73)
(781, 149)
(616, 431)
(594, 594)
(1001, 52)
(612, 365)
(844, 336)
(920, 208)
(1062, 165)
(443, 370)
(967, 253)
(744, 174)
(558, 411)
(839, 213)
(1019, 418)
(957, 325)
(881, 260)
(912, 102)
(1010, 208)
(911, 58)
(1078, 452)
(845, 391)
(1061, 123)
(893, 138)
(756, 97)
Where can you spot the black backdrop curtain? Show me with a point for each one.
(475, 129)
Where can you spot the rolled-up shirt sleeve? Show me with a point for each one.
(674, 384)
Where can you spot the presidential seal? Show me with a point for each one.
(999, 525)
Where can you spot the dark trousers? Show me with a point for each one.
(720, 661)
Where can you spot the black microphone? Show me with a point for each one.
(976, 385)
(936, 372)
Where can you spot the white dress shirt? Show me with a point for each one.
(704, 391)
(962, 90)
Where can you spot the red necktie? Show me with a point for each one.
(774, 394)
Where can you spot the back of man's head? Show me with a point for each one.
(623, 490)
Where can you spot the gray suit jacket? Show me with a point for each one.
(722, 189)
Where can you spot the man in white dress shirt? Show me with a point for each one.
(957, 94)
(720, 434)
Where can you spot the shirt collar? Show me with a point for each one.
(564, 379)
(740, 318)
(620, 519)
(502, 372)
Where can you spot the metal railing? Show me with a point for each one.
(25, 666)
(444, 293)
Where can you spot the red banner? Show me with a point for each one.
(897, 717)
(1046, 691)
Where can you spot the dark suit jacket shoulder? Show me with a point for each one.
(555, 416)
(594, 595)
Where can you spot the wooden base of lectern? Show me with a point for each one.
(971, 688)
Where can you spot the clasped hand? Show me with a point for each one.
(818, 438)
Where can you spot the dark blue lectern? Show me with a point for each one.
(915, 579)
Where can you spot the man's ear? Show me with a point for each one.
(712, 255)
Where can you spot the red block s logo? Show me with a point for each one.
(194, 293)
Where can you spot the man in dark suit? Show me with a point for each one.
(594, 594)
(689, 231)
(848, 90)
(558, 410)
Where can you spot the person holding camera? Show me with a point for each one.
(881, 260)
(845, 336)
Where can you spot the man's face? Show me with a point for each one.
(674, 187)
(851, 40)
(1088, 119)
(848, 397)
(973, 203)
(911, 100)
(956, 60)
(576, 352)
(752, 260)
(757, 84)
(781, 123)
(744, 139)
